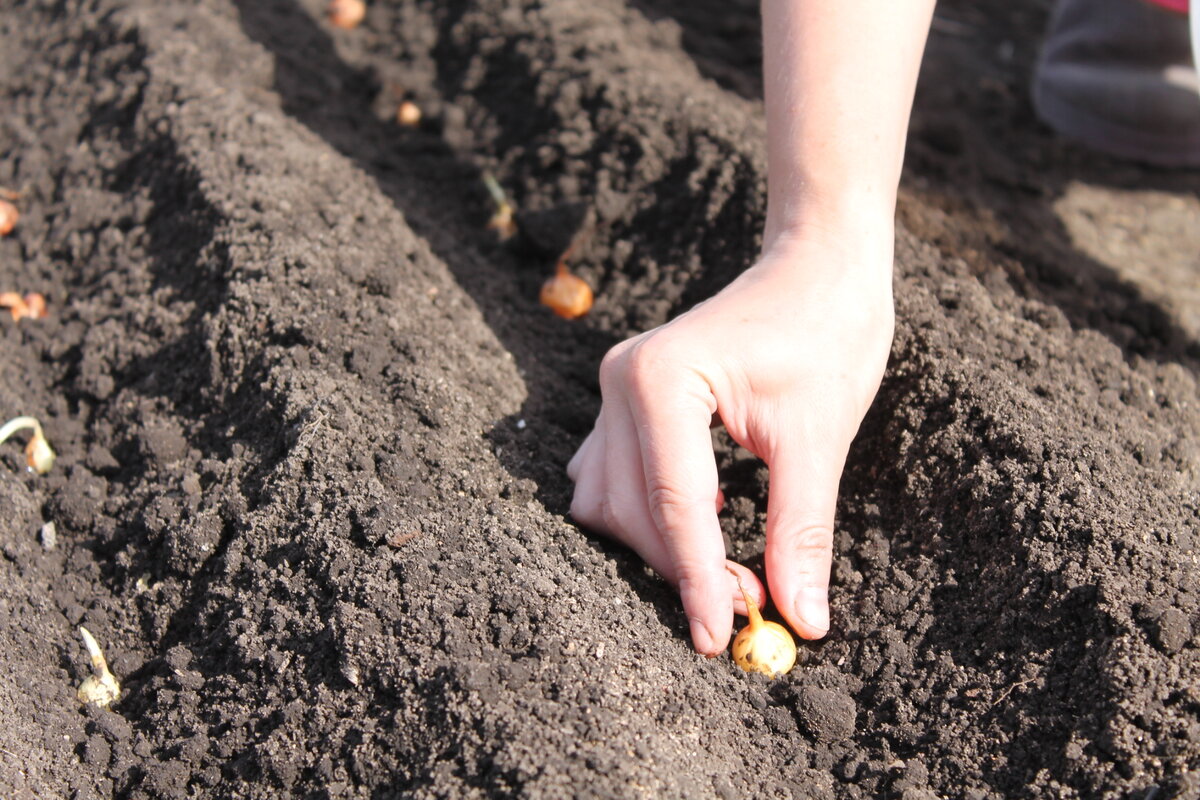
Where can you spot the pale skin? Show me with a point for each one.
(789, 356)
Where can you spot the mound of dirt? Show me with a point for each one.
(312, 423)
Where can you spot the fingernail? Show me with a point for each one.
(702, 639)
(812, 607)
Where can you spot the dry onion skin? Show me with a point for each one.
(346, 14)
(8, 217)
(31, 306)
(763, 646)
(565, 294)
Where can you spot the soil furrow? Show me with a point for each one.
(312, 427)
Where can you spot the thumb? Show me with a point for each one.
(800, 511)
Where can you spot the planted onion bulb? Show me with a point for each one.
(503, 222)
(565, 294)
(8, 217)
(38, 454)
(101, 687)
(408, 114)
(346, 14)
(763, 646)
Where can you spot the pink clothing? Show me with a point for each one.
(1175, 5)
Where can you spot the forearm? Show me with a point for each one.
(839, 77)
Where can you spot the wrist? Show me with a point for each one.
(862, 216)
(846, 239)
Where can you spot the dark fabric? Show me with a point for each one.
(1118, 76)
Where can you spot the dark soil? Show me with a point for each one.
(312, 422)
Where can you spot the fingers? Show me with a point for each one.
(800, 512)
(627, 516)
(625, 510)
(580, 454)
(647, 476)
(681, 484)
(610, 499)
(638, 531)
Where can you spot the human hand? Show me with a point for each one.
(789, 356)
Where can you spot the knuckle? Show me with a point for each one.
(610, 367)
(668, 504)
(615, 363)
(584, 510)
(649, 359)
(693, 575)
(618, 516)
(807, 542)
(578, 510)
(644, 366)
(610, 514)
(687, 583)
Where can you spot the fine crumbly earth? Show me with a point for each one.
(312, 422)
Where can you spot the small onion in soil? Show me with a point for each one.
(565, 294)
(8, 217)
(408, 114)
(39, 456)
(762, 646)
(503, 222)
(101, 687)
(346, 14)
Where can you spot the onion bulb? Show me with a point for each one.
(8, 217)
(346, 14)
(565, 294)
(408, 114)
(38, 453)
(503, 222)
(763, 646)
(101, 687)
